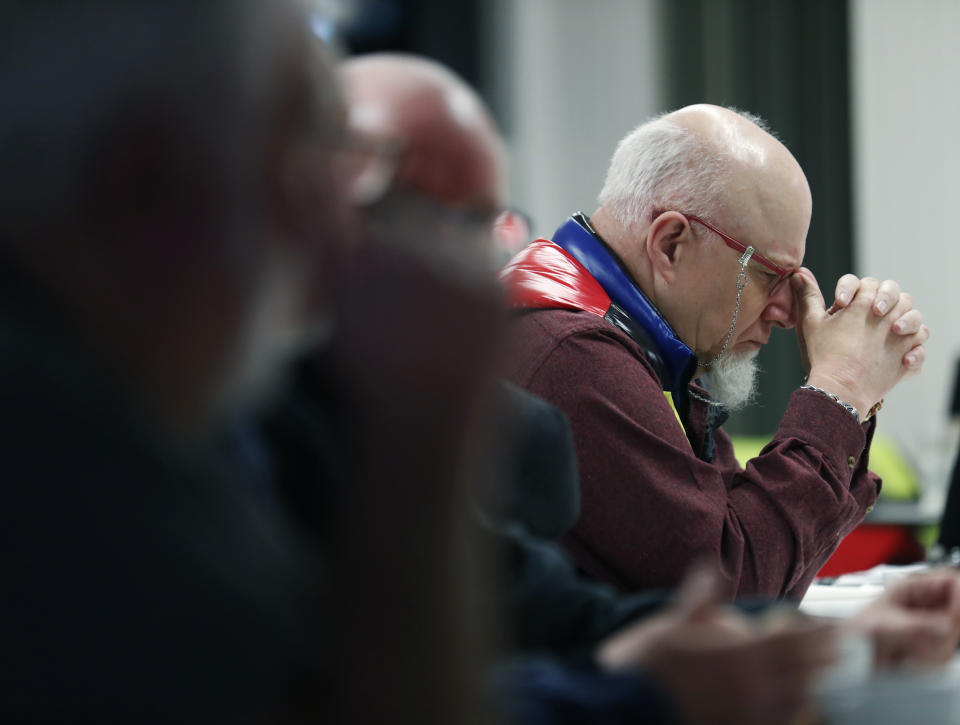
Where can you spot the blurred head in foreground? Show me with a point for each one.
(160, 176)
(438, 183)
(169, 194)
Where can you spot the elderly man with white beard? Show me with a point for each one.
(643, 323)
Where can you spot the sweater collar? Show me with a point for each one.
(576, 237)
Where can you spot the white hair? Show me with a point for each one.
(660, 166)
(733, 380)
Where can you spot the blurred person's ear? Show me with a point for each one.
(511, 232)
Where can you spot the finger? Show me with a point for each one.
(926, 590)
(805, 646)
(952, 597)
(700, 592)
(937, 590)
(909, 322)
(847, 287)
(903, 309)
(915, 358)
(888, 653)
(887, 297)
(809, 298)
(919, 637)
(935, 642)
(866, 292)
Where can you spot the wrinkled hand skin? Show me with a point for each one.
(869, 339)
(916, 621)
(717, 665)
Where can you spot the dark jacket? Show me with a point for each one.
(142, 582)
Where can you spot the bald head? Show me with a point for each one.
(717, 163)
(757, 173)
(451, 152)
(735, 133)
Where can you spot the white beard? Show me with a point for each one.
(732, 380)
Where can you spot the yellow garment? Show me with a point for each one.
(669, 396)
(900, 482)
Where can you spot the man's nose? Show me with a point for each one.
(781, 309)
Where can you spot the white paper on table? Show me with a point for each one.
(881, 575)
(850, 593)
(823, 600)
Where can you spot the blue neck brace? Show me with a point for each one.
(576, 238)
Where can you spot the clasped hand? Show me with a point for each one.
(865, 343)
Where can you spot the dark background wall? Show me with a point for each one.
(446, 30)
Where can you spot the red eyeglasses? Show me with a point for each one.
(782, 273)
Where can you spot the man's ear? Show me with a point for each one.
(667, 243)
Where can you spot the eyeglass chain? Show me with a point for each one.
(742, 281)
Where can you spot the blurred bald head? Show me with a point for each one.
(450, 149)
(160, 184)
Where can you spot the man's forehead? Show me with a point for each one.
(776, 241)
(787, 261)
(771, 211)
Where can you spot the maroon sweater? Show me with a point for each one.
(650, 507)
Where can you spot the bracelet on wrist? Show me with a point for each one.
(874, 410)
(836, 399)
